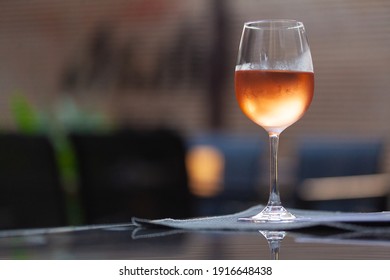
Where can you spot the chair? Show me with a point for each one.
(30, 189)
(132, 173)
(343, 161)
(241, 173)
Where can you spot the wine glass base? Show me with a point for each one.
(271, 214)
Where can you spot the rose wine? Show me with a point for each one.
(274, 99)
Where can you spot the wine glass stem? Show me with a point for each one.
(275, 248)
(274, 197)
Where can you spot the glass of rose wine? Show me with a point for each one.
(274, 84)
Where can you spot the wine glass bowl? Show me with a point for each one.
(274, 99)
(274, 85)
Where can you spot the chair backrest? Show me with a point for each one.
(331, 158)
(132, 173)
(242, 162)
(30, 189)
(338, 159)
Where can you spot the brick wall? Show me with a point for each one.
(148, 62)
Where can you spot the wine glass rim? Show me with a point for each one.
(267, 24)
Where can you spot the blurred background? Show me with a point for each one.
(99, 67)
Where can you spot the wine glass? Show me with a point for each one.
(274, 239)
(274, 84)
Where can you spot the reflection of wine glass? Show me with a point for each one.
(274, 83)
(274, 239)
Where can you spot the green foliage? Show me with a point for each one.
(25, 115)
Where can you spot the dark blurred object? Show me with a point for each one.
(329, 158)
(132, 173)
(30, 189)
(344, 161)
(240, 177)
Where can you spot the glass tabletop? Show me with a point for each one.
(129, 242)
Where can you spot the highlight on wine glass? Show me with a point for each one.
(274, 84)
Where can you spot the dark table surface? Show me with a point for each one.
(128, 242)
